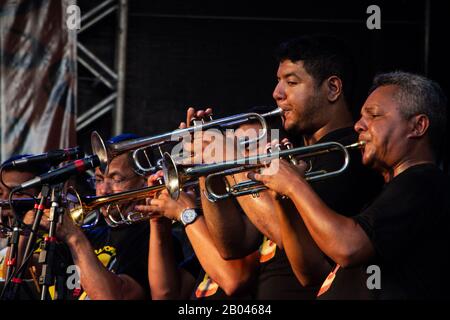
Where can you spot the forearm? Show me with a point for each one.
(163, 275)
(230, 275)
(339, 237)
(307, 261)
(260, 210)
(96, 280)
(228, 228)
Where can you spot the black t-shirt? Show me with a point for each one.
(353, 189)
(122, 250)
(342, 193)
(408, 225)
(207, 289)
(276, 280)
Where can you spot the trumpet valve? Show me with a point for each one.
(288, 145)
(277, 147)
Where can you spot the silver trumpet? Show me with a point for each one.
(176, 175)
(106, 152)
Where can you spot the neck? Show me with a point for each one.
(341, 118)
(390, 173)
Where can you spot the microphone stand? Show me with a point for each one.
(47, 256)
(16, 280)
(13, 241)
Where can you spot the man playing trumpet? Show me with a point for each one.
(397, 247)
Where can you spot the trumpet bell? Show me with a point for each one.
(99, 149)
(81, 217)
(171, 176)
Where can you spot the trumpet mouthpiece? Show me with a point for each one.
(356, 145)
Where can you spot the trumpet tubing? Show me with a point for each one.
(87, 205)
(176, 175)
(106, 152)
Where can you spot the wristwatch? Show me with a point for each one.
(188, 216)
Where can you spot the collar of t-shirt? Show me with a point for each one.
(341, 134)
(415, 168)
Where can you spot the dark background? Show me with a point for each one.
(220, 53)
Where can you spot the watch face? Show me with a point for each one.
(188, 216)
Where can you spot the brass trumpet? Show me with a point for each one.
(106, 152)
(70, 201)
(85, 206)
(176, 175)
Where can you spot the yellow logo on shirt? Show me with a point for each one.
(105, 255)
(267, 250)
(206, 288)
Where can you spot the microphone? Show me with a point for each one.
(60, 174)
(18, 204)
(52, 157)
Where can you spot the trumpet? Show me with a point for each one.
(106, 152)
(86, 206)
(176, 175)
(70, 201)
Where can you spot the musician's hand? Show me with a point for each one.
(280, 176)
(28, 219)
(146, 208)
(170, 208)
(155, 178)
(205, 146)
(67, 230)
(64, 230)
(193, 115)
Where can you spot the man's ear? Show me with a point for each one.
(333, 87)
(418, 126)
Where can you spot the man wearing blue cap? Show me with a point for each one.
(111, 262)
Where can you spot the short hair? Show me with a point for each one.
(417, 94)
(323, 56)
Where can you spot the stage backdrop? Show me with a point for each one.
(37, 77)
